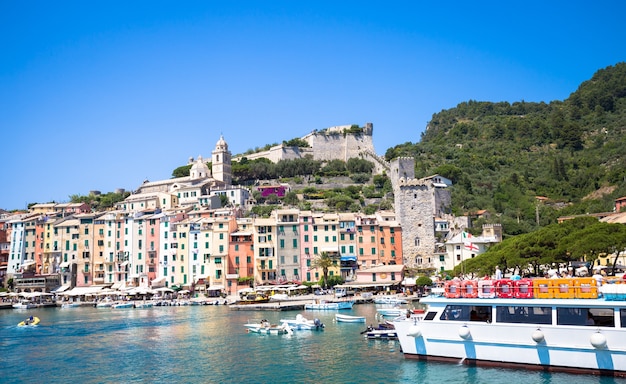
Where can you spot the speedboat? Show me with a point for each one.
(31, 321)
(123, 304)
(300, 322)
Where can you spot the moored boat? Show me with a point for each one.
(341, 318)
(24, 304)
(335, 305)
(550, 325)
(302, 323)
(383, 331)
(265, 327)
(391, 300)
(391, 312)
(123, 304)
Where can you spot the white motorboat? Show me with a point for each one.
(389, 300)
(391, 312)
(349, 319)
(302, 323)
(335, 305)
(24, 304)
(264, 327)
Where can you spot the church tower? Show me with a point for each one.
(221, 162)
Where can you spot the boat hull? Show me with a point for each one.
(547, 347)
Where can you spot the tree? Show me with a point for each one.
(182, 171)
(324, 261)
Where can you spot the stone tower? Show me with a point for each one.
(415, 207)
(221, 162)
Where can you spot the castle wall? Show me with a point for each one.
(328, 144)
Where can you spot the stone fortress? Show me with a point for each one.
(417, 202)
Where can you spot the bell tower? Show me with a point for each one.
(220, 158)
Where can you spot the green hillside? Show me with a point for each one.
(501, 156)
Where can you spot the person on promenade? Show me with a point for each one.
(498, 273)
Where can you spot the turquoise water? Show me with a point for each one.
(208, 344)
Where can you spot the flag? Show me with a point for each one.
(467, 241)
(471, 246)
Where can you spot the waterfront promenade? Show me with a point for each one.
(297, 302)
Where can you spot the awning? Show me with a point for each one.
(64, 264)
(28, 263)
(348, 258)
(215, 287)
(62, 288)
(80, 291)
(124, 263)
(118, 285)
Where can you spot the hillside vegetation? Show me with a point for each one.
(501, 156)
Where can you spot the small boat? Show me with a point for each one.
(123, 304)
(349, 319)
(394, 300)
(70, 305)
(106, 303)
(330, 305)
(31, 321)
(144, 304)
(302, 323)
(24, 304)
(383, 331)
(391, 312)
(265, 327)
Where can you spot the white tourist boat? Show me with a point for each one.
(123, 304)
(558, 325)
(302, 323)
(340, 318)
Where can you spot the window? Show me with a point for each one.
(524, 314)
(467, 313)
(295, 243)
(306, 238)
(586, 316)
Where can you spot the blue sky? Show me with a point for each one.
(100, 95)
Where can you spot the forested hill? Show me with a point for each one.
(501, 156)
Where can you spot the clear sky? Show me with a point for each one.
(100, 95)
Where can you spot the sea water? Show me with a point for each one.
(208, 344)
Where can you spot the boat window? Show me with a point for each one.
(585, 316)
(467, 313)
(622, 315)
(430, 315)
(524, 314)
